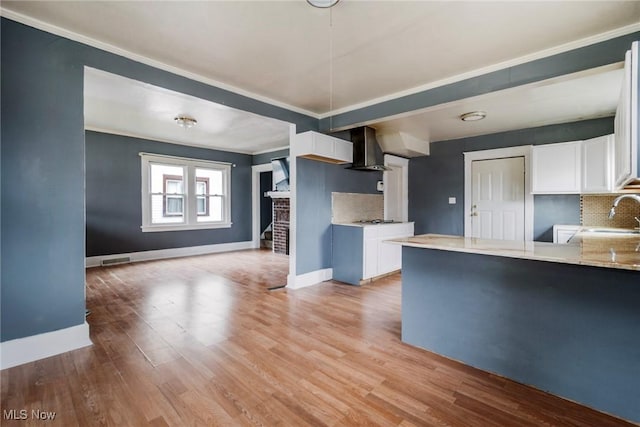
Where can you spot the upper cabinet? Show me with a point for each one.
(556, 168)
(573, 167)
(626, 123)
(317, 146)
(597, 165)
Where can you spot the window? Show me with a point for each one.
(173, 194)
(184, 194)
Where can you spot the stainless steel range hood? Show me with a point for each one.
(367, 155)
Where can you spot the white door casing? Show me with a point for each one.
(396, 188)
(497, 197)
(256, 170)
(523, 152)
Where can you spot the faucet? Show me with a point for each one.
(612, 212)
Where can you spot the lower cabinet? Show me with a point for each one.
(361, 253)
(564, 233)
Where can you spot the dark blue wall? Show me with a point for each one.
(42, 177)
(567, 329)
(42, 184)
(315, 183)
(435, 178)
(113, 188)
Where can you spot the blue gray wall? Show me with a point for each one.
(571, 330)
(43, 170)
(42, 184)
(260, 159)
(113, 188)
(315, 183)
(435, 178)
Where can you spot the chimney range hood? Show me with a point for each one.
(367, 155)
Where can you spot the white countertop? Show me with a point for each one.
(594, 249)
(369, 224)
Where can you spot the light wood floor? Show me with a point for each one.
(201, 341)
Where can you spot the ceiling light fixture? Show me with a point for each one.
(323, 4)
(185, 121)
(473, 116)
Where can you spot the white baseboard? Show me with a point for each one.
(309, 279)
(96, 261)
(24, 350)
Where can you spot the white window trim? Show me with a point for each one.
(191, 217)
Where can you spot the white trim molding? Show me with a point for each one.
(309, 279)
(24, 350)
(96, 261)
(500, 153)
(190, 218)
(256, 170)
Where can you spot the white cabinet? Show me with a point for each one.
(597, 165)
(626, 122)
(556, 168)
(317, 146)
(379, 257)
(564, 233)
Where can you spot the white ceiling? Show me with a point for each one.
(318, 61)
(120, 105)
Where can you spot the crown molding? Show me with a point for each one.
(71, 35)
(608, 35)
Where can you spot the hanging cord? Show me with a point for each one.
(331, 69)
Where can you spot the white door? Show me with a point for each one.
(497, 200)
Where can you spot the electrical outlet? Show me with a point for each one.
(452, 200)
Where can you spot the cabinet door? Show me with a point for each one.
(323, 145)
(556, 168)
(343, 151)
(622, 125)
(390, 257)
(597, 168)
(370, 257)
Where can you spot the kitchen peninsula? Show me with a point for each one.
(562, 318)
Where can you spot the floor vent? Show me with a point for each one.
(113, 261)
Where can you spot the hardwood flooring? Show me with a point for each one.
(201, 341)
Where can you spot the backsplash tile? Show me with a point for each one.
(594, 212)
(352, 207)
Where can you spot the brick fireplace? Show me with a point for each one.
(281, 225)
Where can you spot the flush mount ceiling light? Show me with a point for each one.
(473, 116)
(185, 121)
(323, 4)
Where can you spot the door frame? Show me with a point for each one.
(256, 170)
(500, 153)
(402, 163)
